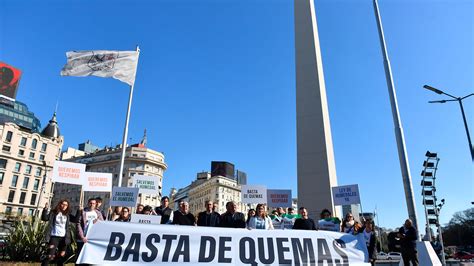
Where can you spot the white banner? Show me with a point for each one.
(279, 198)
(346, 195)
(254, 194)
(146, 184)
(124, 196)
(69, 173)
(137, 244)
(145, 219)
(100, 182)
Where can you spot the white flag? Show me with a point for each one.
(121, 65)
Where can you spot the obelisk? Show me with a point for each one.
(315, 156)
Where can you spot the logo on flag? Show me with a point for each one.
(121, 65)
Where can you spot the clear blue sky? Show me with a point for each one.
(216, 81)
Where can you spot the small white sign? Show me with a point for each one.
(145, 219)
(346, 195)
(124, 196)
(146, 184)
(69, 173)
(100, 182)
(279, 198)
(254, 194)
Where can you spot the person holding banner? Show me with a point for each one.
(183, 216)
(116, 213)
(304, 223)
(349, 225)
(261, 219)
(86, 220)
(208, 217)
(370, 240)
(329, 223)
(124, 215)
(58, 235)
(250, 214)
(165, 211)
(232, 218)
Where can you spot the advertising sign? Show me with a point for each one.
(9, 80)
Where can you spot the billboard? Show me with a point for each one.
(9, 80)
(222, 169)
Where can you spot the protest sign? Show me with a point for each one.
(69, 173)
(137, 244)
(346, 195)
(124, 196)
(100, 182)
(279, 198)
(145, 219)
(254, 194)
(146, 184)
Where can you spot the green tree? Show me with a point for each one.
(460, 229)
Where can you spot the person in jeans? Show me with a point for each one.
(58, 234)
(86, 221)
(408, 236)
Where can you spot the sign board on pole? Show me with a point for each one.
(100, 182)
(279, 198)
(124, 196)
(346, 195)
(145, 219)
(146, 184)
(69, 173)
(254, 194)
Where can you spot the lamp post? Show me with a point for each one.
(458, 99)
(440, 231)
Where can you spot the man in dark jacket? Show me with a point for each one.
(231, 218)
(183, 216)
(304, 223)
(165, 211)
(408, 236)
(208, 217)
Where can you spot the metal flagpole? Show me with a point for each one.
(125, 131)
(402, 153)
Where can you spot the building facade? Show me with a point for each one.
(26, 161)
(139, 160)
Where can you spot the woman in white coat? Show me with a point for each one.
(261, 220)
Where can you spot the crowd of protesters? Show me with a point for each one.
(59, 237)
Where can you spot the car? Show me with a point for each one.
(381, 256)
(394, 256)
(463, 255)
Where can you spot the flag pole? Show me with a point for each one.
(125, 131)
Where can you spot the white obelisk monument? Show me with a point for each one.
(315, 156)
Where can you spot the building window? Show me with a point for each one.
(3, 163)
(32, 156)
(9, 136)
(17, 167)
(38, 171)
(26, 180)
(8, 210)
(21, 153)
(43, 147)
(2, 174)
(23, 142)
(6, 148)
(20, 211)
(11, 195)
(36, 184)
(22, 197)
(31, 212)
(34, 143)
(14, 180)
(33, 199)
(28, 169)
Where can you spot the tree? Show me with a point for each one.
(460, 229)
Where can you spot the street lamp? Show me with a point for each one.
(458, 99)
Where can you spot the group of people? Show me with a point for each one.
(59, 237)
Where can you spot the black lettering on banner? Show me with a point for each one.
(114, 236)
(182, 249)
(261, 251)
(151, 247)
(323, 252)
(251, 244)
(133, 248)
(169, 239)
(223, 248)
(202, 249)
(281, 251)
(305, 251)
(339, 245)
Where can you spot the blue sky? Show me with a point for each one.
(216, 81)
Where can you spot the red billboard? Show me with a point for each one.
(9, 79)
